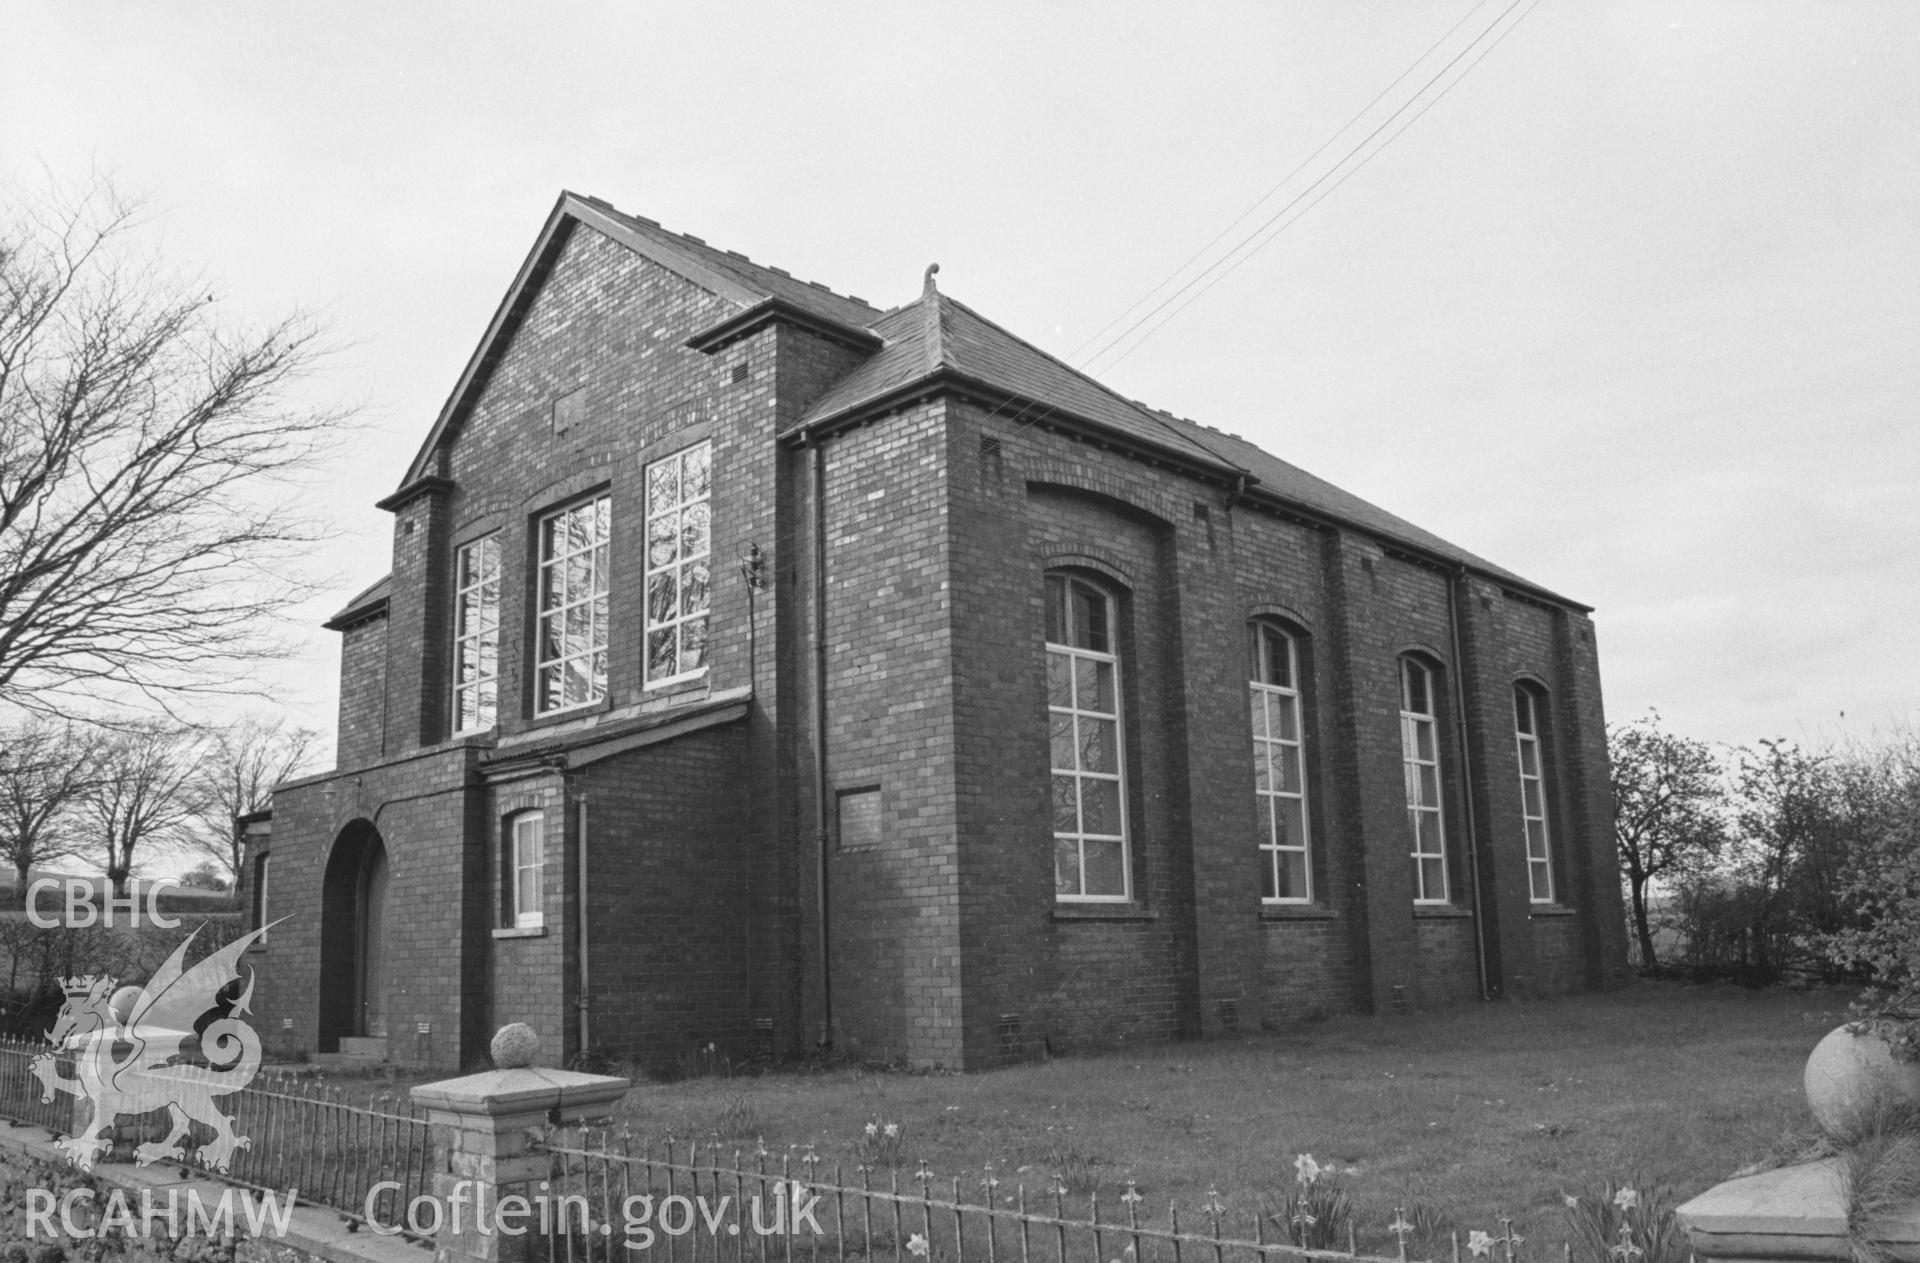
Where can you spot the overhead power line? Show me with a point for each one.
(1492, 35)
(1262, 200)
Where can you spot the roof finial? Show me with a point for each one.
(928, 287)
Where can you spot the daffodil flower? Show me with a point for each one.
(917, 1246)
(1479, 1244)
(1627, 1198)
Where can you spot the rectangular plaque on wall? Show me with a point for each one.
(859, 819)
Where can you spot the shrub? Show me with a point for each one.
(1882, 882)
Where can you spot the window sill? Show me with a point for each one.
(693, 680)
(655, 698)
(1550, 910)
(1296, 912)
(584, 710)
(520, 931)
(1102, 912)
(1440, 912)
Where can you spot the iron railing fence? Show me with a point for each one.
(20, 1089)
(329, 1144)
(612, 1197)
(313, 1138)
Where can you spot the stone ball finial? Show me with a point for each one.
(515, 1045)
(1850, 1070)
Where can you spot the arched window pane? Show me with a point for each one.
(1085, 738)
(1533, 794)
(1420, 758)
(1279, 768)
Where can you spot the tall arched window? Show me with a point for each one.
(1529, 733)
(1279, 767)
(1090, 855)
(1420, 759)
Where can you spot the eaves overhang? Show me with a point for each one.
(1319, 519)
(427, 485)
(1245, 485)
(354, 615)
(1022, 409)
(580, 747)
(773, 311)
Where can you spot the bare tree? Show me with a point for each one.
(142, 434)
(147, 793)
(45, 769)
(242, 765)
(1669, 804)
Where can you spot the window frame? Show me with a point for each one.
(1072, 655)
(1411, 764)
(515, 914)
(1529, 705)
(488, 712)
(1266, 699)
(598, 550)
(677, 565)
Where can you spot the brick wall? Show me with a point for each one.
(667, 899)
(416, 808)
(892, 907)
(363, 681)
(1198, 951)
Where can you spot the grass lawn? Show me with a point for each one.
(1460, 1115)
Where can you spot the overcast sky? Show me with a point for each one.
(1634, 310)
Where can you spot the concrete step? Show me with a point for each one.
(357, 1052)
(338, 1063)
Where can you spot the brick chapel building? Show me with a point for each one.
(762, 669)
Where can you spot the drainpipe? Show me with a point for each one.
(820, 731)
(1455, 582)
(580, 867)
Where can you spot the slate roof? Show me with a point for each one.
(936, 333)
(363, 605)
(1293, 485)
(758, 279)
(932, 340)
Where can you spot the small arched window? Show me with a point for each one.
(1091, 860)
(1420, 760)
(1279, 766)
(1529, 732)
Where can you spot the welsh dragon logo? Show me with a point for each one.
(127, 1048)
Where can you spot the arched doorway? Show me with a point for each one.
(353, 938)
